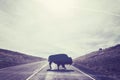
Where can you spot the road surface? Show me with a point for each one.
(40, 71)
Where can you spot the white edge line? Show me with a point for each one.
(84, 73)
(36, 72)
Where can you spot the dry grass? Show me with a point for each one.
(106, 61)
(11, 58)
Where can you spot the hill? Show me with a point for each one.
(12, 58)
(104, 61)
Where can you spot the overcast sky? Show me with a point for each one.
(44, 27)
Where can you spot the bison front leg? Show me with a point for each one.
(50, 65)
(63, 65)
(58, 65)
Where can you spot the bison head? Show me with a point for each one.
(69, 60)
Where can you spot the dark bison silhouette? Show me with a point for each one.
(59, 59)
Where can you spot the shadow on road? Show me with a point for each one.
(61, 70)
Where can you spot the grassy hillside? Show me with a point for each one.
(104, 61)
(11, 58)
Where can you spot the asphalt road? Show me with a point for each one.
(40, 71)
(20, 72)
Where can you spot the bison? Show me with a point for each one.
(59, 59)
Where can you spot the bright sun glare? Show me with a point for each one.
(58, 7)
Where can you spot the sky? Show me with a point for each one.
(45, 27)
